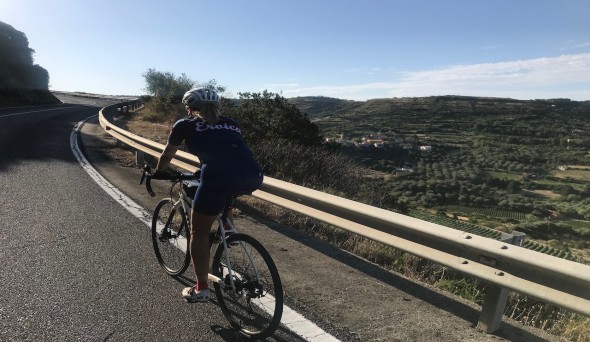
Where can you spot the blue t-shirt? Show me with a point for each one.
(213, 144)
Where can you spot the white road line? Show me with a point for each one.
(34, 111)
(291, 319)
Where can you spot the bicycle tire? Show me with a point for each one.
(170, 237)
(255, 306)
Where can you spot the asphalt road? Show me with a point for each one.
(77, 266)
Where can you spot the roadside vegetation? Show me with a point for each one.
(494, 167)
(21, 81)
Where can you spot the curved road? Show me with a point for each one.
(77, 266)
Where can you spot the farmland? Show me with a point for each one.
(501, 164)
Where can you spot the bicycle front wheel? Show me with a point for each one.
(170, 237)
(253, 301)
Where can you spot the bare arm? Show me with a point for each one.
(166, 157)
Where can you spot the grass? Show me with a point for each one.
(545, 181)
(528, 311)
(575, 174)
(463, 287)
(543, 193)
(579, 225)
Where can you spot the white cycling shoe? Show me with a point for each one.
(191, 295)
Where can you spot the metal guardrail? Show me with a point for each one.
(504, 266)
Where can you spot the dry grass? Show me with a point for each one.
(154, 131)
(576, 174)
(543, 193)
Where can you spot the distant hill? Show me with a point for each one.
(353, 117)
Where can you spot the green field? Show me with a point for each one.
(578, 174)
(579, 225)
(505, 175)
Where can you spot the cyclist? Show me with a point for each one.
(227, 167)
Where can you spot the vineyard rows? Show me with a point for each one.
(457, 224)
(490, 212)
(538, 247)
(489, 233)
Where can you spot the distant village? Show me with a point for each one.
(386, 141)
(413, 142)
(380, 140)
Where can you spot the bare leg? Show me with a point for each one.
(199, 243)
(230, 216)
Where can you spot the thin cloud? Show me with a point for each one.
(281, 85)
(534, 73)
(549, 77)
(365, 71)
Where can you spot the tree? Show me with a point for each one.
(17, 70)
(167, 89)
(513, 187)
(268, 115)
(166, 85)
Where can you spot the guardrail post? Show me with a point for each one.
(139, 157)
(492, 308)
(496, 296)
(514, 238)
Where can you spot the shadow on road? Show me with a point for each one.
(30, 135)
(226, 332)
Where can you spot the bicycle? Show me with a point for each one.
(246, 281)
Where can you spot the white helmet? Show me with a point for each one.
(197, 97)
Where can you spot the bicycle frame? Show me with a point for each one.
(236, 289)
(223, 223)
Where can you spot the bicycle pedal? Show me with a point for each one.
(231, 243)
(166, 237)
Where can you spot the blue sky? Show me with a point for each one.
(346, 49)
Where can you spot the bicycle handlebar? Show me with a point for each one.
(148, 175)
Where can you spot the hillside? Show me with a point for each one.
(500, 163)
(453, 113)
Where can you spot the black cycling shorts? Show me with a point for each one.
(217, 184)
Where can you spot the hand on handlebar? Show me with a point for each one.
(150, 173)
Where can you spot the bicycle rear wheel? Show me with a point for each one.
(255, 305)
(170, 237)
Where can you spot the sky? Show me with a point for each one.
(356, 50)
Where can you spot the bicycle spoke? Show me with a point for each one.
(254, 303)
(170, 237)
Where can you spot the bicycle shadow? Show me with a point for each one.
(230, 334)
(227, 333)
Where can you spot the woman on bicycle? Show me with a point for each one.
(227, 167)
